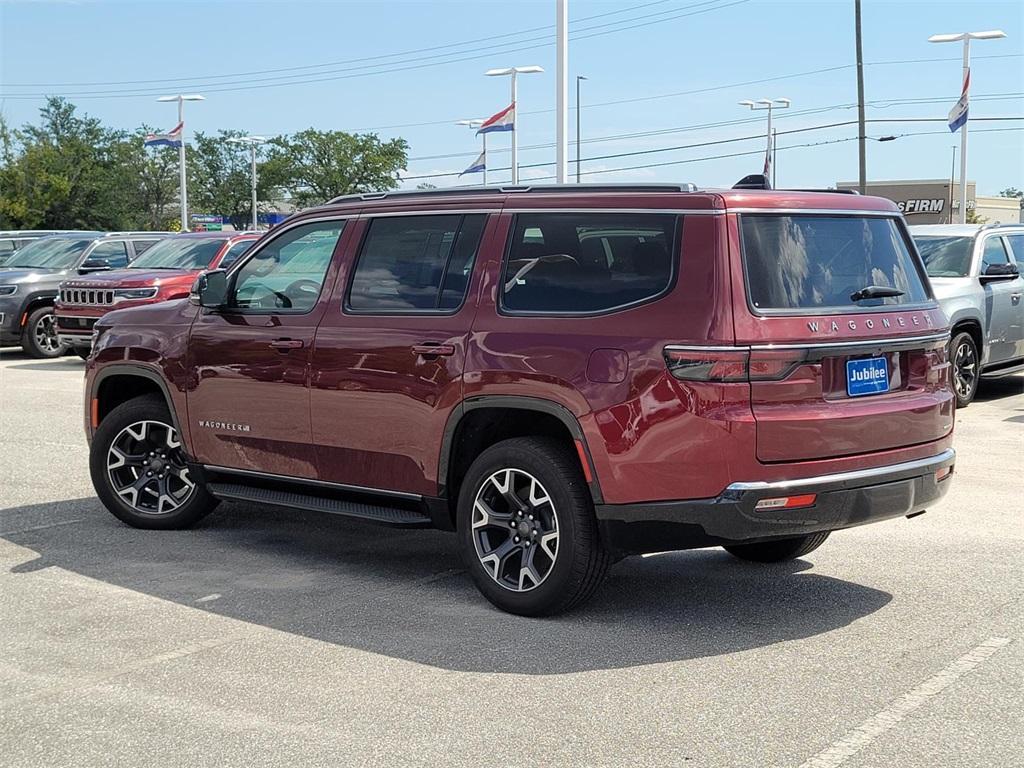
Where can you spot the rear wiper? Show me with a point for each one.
(875, 292)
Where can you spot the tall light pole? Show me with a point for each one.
(183, 186)
(252, 142)
(952, 179)
(512, 72)
(562, 92)
(579, 135)
(862, 158)
(966, 37)
(474, 124)
(768, 104)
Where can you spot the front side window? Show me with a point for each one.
(49, 253)
(1017, 246)
(287, 274)
(796, 262)
(948, 256)
(415, 263)
(114, 253)
(141, 246)
(993, 254)
(587, 262)
(234, 252)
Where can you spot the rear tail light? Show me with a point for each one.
(732, 363)
(787, 502)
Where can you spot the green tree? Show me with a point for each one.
(147, 184)
(220, 177)
(59, 173)
(1012, 192)
(314, 166)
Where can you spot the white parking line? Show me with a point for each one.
(854, 741)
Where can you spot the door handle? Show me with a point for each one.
(434, 350)
(286, 344)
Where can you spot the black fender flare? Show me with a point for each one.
(514, 402)
(139, 371)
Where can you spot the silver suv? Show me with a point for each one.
(975, 274)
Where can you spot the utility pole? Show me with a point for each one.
(862, 179)
(952, 176)
(579, 136)
(562, 92)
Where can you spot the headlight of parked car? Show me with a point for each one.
(8, 290)
(125, 294)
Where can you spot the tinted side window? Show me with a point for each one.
(587, 262)
(141, 246)
(415, 263)
(287, 274)
(234, 252)
(116, 253)
(1017, 246)
(993, 253)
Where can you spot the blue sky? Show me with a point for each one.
(635, 53)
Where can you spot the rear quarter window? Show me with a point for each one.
(817, 262)
(581, 263)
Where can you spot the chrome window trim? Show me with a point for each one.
(943, 336)
(846, 477)
(310, 481)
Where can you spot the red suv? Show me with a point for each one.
(164, 271)
(563, 376)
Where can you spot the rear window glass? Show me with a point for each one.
(822, 262)
(948, 256)
(587, 262)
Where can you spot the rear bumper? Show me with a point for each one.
(843, 500)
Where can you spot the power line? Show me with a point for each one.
(408, 64)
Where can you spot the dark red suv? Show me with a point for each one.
(165, 271)
(563, 376)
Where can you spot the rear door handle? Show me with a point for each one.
(434, 350)
(286, 344)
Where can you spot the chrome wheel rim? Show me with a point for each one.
(515, 530)
(45, 333)
(146, 468)
(965, 369)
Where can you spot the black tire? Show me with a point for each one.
(39, 339)
(778, 551)
(580, 560)
(963, 354)
(167, 462)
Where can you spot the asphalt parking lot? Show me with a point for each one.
(270, 637)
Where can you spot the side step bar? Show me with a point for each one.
(398, 518)
(997, 373)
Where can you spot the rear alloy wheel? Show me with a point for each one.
(779, 550)
(40, 339)
(139, 469)
(965, 368)
(527, 529)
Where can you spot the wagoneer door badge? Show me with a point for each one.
(833, 326)
(224, 425)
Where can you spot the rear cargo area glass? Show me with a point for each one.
(817, 262)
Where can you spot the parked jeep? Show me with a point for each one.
(563, 376)
(975, 274)
(164, 272)
(30, 278)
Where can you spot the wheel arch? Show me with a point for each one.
(118, 383)
(971, 325)
(479, 422)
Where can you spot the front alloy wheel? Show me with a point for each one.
(965, 368)
(515, 529)
(147, 470)
(40, 338)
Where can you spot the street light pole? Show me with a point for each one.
(182, 182)
(966, 37)
(562, 92)
(862, 160)
(513, 71)
(768, 104)
(579, 136)
(252, 142)
(952, 177)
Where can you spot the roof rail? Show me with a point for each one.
(511, 188)
(833, 191)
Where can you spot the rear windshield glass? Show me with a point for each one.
(945, 256)
(49, 253)
(827, 262)
(186, 253)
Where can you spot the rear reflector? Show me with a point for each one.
(942, 474)
(787, 502)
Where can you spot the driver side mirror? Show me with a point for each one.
(210, 289)
(1001, 271)
(93, 265)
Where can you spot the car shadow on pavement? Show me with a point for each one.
(994, 389)
(405, 594)
(66, 363)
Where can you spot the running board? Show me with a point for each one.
(399, 518)
(998, 373)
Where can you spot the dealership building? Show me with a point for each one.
(936, 201)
